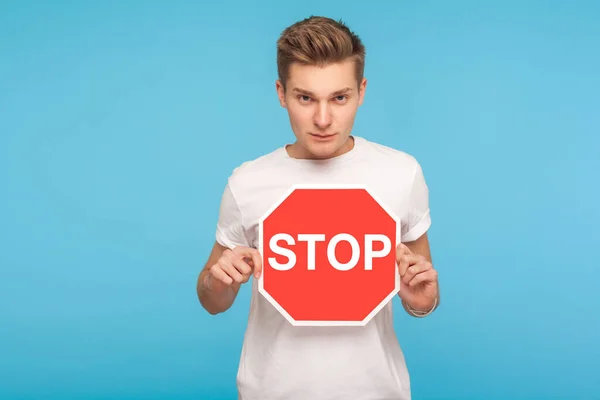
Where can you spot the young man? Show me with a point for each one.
(321, 84)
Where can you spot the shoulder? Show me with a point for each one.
(389, 157)
(257, 169)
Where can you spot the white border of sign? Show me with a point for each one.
(271, 300)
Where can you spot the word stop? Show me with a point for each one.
(311, 239)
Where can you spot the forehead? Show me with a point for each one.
(322, 80)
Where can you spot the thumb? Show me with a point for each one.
(402, 249)
(257, 261)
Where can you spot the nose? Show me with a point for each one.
(322, 117)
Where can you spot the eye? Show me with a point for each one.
(303, 98)
(341, 98)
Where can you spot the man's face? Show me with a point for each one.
(322, 104)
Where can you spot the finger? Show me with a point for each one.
(241, 265)
(228, 267)
(243, 268)
(406, 260)
(423, 277)
(254, 255)
(415, 269)
(217, 273)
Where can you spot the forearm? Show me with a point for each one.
(215, 302)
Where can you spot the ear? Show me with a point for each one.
(280, 93)
(361, 91)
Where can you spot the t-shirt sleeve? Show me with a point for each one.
(230, 230)
(418, 218)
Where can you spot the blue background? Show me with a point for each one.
(120, 122)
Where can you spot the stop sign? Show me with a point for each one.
(329, 255)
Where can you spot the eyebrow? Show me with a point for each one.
(336, 93)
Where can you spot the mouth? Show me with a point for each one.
(322, 136)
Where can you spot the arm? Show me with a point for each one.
(231, 261)
(418, 279)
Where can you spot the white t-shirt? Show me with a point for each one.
(284, 362)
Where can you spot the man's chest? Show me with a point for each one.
(268, 197)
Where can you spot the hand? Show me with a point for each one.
(418, 279)
(233, 267)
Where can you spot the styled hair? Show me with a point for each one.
(318, 41)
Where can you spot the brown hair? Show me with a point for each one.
(318, 41)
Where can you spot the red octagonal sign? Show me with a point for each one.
(329, 255)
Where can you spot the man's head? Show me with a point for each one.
(321, 84)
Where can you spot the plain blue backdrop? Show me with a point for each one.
(121, 121)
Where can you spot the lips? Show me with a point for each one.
(320, 136)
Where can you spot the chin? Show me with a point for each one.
(324, 149)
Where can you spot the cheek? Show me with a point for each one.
(299, 115)
(345, 115)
